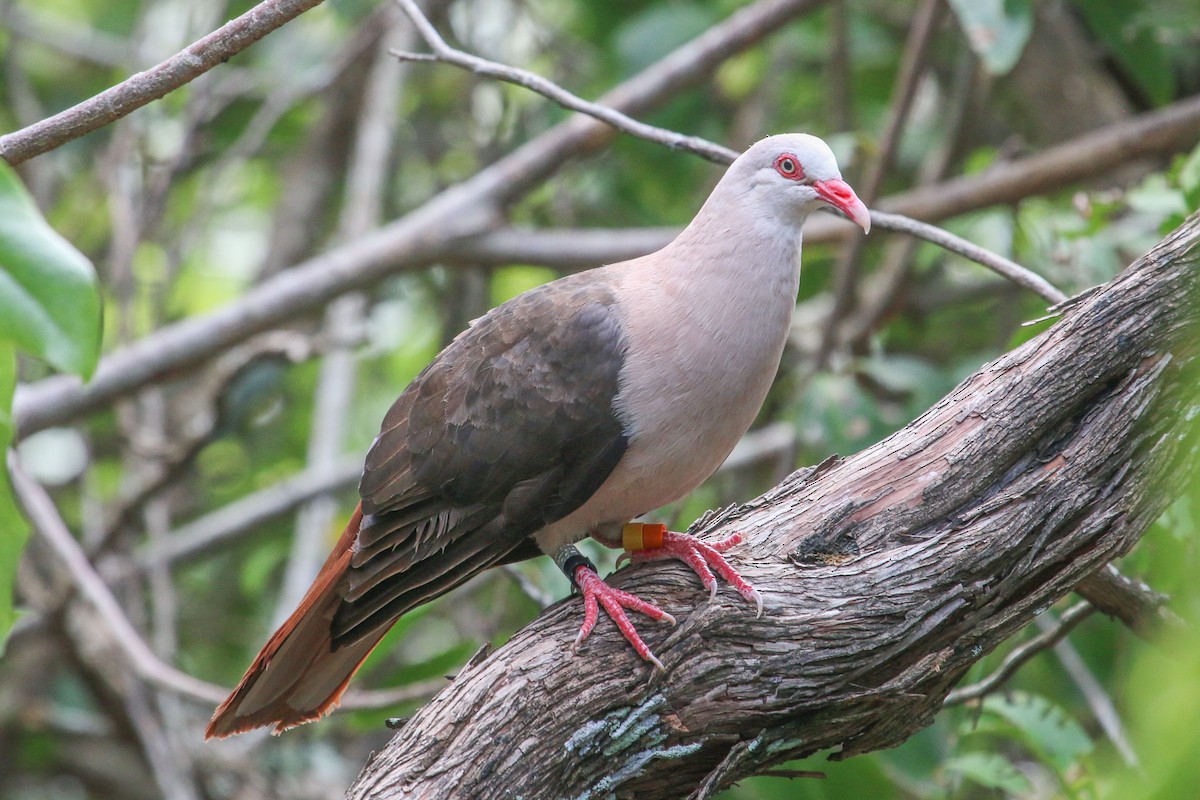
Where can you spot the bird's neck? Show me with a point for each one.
(736, 254)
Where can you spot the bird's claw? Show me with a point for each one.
(703, 557)
(597, 593)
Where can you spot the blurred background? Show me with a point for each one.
(207, 501)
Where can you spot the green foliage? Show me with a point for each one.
(1045, 728)
(50, 308)
(13, 530)
(996, 29)
(1131, 36)
(49, 302)
(1163, 705)
(989, 770)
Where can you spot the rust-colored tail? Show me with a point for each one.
(298, 676)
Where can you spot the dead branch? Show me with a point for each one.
(887, 575)
(490, 69)
(145, 87)
(1021, 655)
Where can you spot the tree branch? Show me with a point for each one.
(49, 524)
(1135, 604)
(490, 69)
(887, 575)
(1021, 655)
(145, 87)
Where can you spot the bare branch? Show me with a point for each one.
(1172, 129)
(997, 263)
(1093, 692)
(50, 526)
(1020, 655)
(490, 69)
(145, 87)
(248, 514)
(912, 67)
(343, 326)
(1143, 610)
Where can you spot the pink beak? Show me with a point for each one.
(838, 194)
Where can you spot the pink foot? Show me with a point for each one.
(597, 593)
(701, 556)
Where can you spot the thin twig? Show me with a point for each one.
(541, 599)
(247, 515)
(536, 83)
(209, 415)
(880, 291)
(1097, 699)
(1021, 654)
(791, 774)
(908, 77)
(841, 96)
(1004, 267)
(362, 210)
(50, 526)
(145, 87)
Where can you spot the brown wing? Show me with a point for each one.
(510, 428)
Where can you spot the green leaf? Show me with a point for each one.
(49, 301)
(1188, 179)
(13, 530)
(1123, 29)
(996, 29)
(1044, 727)
(651, 34)
(990, 770)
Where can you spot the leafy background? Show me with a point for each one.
(188, 203)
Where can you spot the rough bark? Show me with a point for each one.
(886, 574)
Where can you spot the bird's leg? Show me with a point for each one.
(582, 573)
(653, 542)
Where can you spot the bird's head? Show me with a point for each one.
(791, 174)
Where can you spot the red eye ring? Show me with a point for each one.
(788, 166)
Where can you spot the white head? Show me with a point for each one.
(782, 178)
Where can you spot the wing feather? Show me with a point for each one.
(513, 426)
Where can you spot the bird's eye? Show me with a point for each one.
(789, 167)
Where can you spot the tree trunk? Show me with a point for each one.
(886, 576)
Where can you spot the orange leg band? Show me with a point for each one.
(642, 535)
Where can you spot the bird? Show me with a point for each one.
(566, 412)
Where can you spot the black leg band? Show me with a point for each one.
(570, 559)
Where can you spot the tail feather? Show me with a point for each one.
(299, 676)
